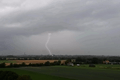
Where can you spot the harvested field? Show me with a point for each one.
(34, 61)
(37, 61)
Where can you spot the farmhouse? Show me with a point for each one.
(73, 60)
(106, 62)
(70, 64)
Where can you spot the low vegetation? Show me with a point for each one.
(91, 65)
(9, 75)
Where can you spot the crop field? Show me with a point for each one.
(79, 73)
(28, 61)
(7, 61)
(37, 61)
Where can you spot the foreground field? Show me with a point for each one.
(78, 73)
(100, 72)
(35, 75)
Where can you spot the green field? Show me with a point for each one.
(79, 73)
(35, 75)
(7, 61)
(102, 66)
(100, 72)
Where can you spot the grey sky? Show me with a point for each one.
(84, 27)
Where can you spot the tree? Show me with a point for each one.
(67, 61)
(95, 60)
(30, 64)
(11, 65)
(23, 64)
(47, 63)
(55, 62)
(16, 65)
(59, 62)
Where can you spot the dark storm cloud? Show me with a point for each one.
(62, 16)
(94, 19)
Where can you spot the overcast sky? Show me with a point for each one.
(78, 27)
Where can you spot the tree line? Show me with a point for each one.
(3, 65)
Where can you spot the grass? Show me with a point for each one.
(7, 61)
(35, 75)
(84, 72)
(103, 66)
(78, 73)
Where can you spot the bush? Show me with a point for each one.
(8, 75)
(57, 62)
(16, 65)
(91, 65)
(52, 64)
(24, 77)
(62, 64)
(41, 64)
(10, 66)
(2, 65)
